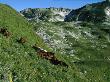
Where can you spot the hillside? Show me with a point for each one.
(82, 48)
(19, 62)
(85, 43)
(96, 13)
(45, 14)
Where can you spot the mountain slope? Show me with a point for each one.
(85, 44)
(75, 39)
(97, 12)
(20, 63)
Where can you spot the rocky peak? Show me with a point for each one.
(46, 14)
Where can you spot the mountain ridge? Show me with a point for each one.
(45, 14)
(96, 13)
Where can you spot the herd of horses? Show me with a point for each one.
(41, 52)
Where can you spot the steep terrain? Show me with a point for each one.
(84, 39)
(83, 46)
(45, 14)
(96, 12)
(19, 62)
(86, 45)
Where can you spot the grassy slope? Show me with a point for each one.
(21, 60)
(93, 52)
(21, 64)
(79, 38)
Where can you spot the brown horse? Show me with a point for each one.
(46, 55)
(49, 56)
(22, 40)
(5, 32)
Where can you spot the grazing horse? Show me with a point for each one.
(46, 55)
(5, 32)
(22, 40)
(57, 62)
(49, 56)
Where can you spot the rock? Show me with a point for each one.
(45, 14)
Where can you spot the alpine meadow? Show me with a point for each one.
(55, 44)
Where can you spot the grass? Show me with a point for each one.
(20, 63)
(93, 51)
